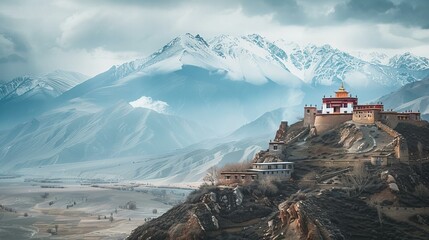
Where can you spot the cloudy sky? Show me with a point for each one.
(90, 36)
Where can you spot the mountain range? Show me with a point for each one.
(27, 95)
(211, 92)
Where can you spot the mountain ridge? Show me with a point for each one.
(56, 82)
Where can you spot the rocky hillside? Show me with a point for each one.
(218, 213)
(334, 193)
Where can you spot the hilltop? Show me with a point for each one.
(329, 196)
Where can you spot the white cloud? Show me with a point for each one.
(148, 102)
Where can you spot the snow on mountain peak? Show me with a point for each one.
(409, 61)
(254, 59)
(373, 57)
(52, 84)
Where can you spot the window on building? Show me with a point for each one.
(242, 177)
(284, 166)
(228, 177)
(308, 110)
(345, 105)
(328, 105)
(236, 177)
(253, 177)
(269, 166)
(275, 147)
(345, 111)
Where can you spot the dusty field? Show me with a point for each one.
(88, 214)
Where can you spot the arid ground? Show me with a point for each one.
(79, 211)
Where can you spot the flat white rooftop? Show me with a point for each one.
(269, 170)
(273, 163)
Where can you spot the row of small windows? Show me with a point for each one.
(282, 166)
(328, 105)
(271, 172)
(361, 112)
(242, 177)
(330, 112)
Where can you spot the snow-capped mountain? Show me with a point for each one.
(52, 85)
(409, 61)
(220, 84)
(253, 59)
(325, 65)
(239, 78)
(256, 60)
(198, 83)
(25, 97)
(372, 57)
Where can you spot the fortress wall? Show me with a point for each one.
(387, 129)
(391, 119)
(335, 163)
(325, 122)
(401, 147)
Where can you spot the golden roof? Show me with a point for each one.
(341, 93)
(342, 89)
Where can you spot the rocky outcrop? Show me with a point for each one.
(299, 222)
(334, 215)
(297, 225)
(349, 134)
(281, 132)
(208, 214)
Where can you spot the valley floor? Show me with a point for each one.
(29, 210)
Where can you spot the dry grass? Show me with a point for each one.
(236, 167)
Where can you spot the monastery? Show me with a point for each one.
(344, 107)
(341, 108)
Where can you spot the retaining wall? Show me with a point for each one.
(325, 122)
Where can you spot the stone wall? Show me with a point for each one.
(401, 147)
(336, 163)
(387, 129)
(325, 122)
(391, 119)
